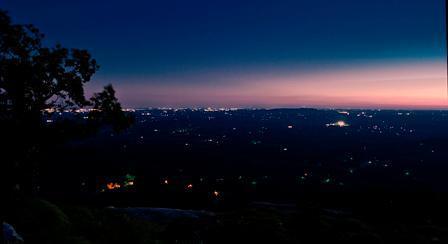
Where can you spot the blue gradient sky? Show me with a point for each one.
(255, 53)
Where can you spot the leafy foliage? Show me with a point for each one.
(107, 109)
(34, 77)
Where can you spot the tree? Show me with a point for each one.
(107, 109)
(34, 78)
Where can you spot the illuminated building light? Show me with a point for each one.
(110, 186)
(216, 194)
(113, 186)
(50, 110)
(128, 110)
(289, 126)
(190, 186)
(339, 123)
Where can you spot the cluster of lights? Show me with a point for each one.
(113, 186)
(339, 123)
(85, 110)
(128, 110)
(209, 109)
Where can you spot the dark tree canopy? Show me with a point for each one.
(107, 109)
(34, 77)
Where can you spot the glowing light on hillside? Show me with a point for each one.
(339, 123)
(113, 186)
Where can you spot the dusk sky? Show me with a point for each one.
(301, 53)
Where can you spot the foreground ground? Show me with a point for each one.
(307, 221)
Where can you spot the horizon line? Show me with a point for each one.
(216, 109)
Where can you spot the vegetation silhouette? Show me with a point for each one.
(36, 81)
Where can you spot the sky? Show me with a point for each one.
(236, 53)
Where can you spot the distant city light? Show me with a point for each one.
(113, 186)
(339, 123)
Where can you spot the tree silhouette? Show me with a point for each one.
(107, 109)
(34, 78)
